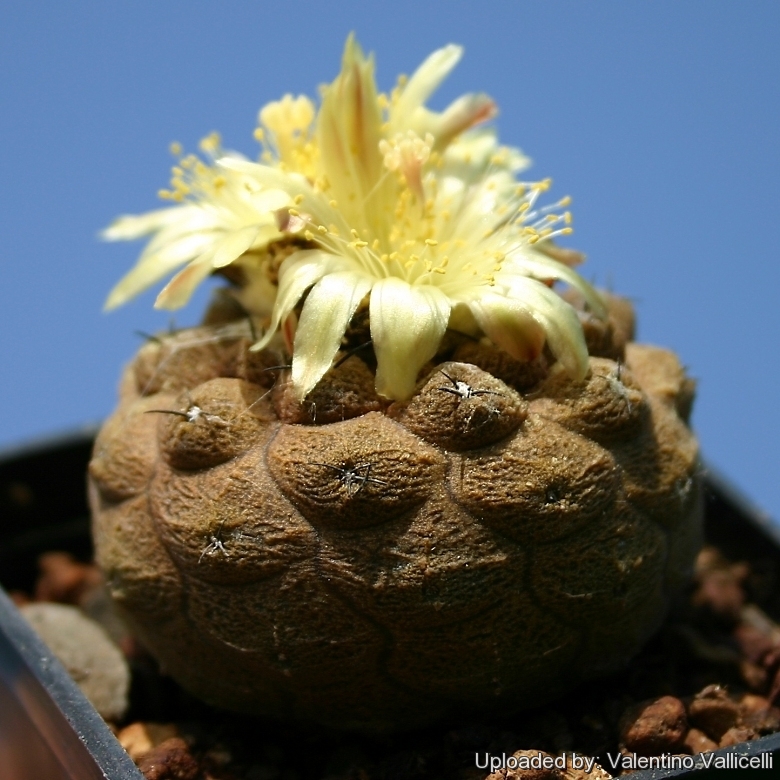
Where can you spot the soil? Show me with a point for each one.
(710, 678)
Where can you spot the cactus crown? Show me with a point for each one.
(371, 200)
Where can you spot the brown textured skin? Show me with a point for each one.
(375, 566)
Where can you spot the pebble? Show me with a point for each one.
(655, 727)
(696, 741)
(765, 721)
(720, 584)
(754, 643)
(89, 656)
(713, 712)
(750, 702)
(737, 734)
(63, 579)
(139, 738)
(550, 773)
(170, 760)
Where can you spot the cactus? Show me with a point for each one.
(396, 475)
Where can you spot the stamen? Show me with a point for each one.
(288, 116)
(211, 143)
(407, 154)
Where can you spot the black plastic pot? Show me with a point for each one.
(49, 731)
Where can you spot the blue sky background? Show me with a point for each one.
(660, 119)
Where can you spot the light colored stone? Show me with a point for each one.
(86, 652)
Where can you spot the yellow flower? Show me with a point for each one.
(221, 215)
(377, 198)
(437, 236)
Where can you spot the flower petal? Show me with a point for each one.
(544, 267)
(296, 274)
(422, 84)
(326, 314)
(509, 324)
(132, 226)
(153, 267)
(560, 322)
(569, 257)
(179, 290)
(233, 245)
(460, 115)
(294, 185)
(410, 112)
(267, 201)
(349, 130)
(267, 176)
(407, 325)
(474, 152)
